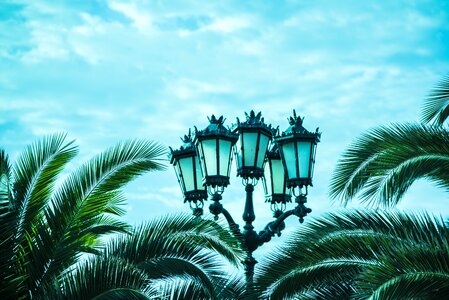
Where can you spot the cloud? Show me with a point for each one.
(109, 70)
(228, 25)
(141, 19)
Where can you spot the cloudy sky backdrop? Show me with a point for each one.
(105, 71)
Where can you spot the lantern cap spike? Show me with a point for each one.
(295, 120)
(254, 120)
(297, 129)
(214, 120)
(215, 128)
(187, 138)
(186, 149)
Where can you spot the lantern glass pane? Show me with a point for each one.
(267, 180)
(210, 156)
(288, 151)
(278, 176)
(263, 146)
(249, 146)
(312, 167)
(238, 152)
(200, 153)
(304, 159)
(225, 156)
(199, 174)
(186, 165)
(178, 175)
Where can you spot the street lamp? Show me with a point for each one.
(284, 161)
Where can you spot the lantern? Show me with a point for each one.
(252, 145)
(187, 167)
(214, 145)
(275, 178)
(297, 149)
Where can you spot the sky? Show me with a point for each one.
(107, 71)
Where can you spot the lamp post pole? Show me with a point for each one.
(203, 165)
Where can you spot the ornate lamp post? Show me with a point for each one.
(283, 161)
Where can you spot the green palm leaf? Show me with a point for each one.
(436, 105)
(10, 282)
(83, 200)
(101, 278)
(383, 163)
(173, 261)
(354, 254)
(418, 285)
(35, 173)
(180, 246)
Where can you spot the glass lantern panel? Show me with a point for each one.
(249, 146)
(199, 174)
(312, 166)
(267, 180)
(304, 159)
(178, 175)
(278, 176)
(225, 156)
(238, 152)
(263, 146)
(288, 151)
(210, 156)
(186, 165)
(200, 153)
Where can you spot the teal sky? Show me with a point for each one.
(105, 71)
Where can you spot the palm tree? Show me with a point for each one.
(45, 227)
(361, 254)
(383, 163)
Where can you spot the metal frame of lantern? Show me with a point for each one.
(208, 142)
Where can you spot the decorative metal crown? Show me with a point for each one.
(187, 138)
(296, 127)
(215, 127)
(254, 120)
(214, 120)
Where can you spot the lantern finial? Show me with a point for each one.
(187, 137)
(295, 120)
(214, 120)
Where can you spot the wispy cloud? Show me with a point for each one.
(111, 70)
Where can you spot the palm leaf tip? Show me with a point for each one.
(383, 163)
(435, 109)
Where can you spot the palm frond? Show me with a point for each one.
(84, 198)
(180, 248)
(180, 235)
(351, 253)
(436, 105)
(383, 163)
(307, 280)
(417, 285)
(35, 173)
(100, 278)
(9, 281)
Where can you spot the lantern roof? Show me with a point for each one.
(297, 130)
(216, 128)
(255, 121)
(187, 149)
